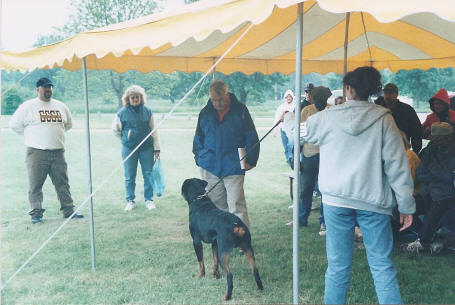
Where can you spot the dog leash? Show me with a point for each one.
(246, 154)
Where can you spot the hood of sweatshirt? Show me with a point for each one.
(443, 96)
(354, 117)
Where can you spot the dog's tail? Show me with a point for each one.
(239, 231)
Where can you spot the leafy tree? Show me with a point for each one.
(10, 101)
(421, 85)
(90, 14)
(44, 40)
(256, 88)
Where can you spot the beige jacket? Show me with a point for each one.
(308, 149)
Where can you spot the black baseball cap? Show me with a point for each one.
(44, 82)
(309, 87)
(391, 88)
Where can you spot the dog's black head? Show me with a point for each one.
(192, 188)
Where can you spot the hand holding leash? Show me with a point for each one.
(247, 166)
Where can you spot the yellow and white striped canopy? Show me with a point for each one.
(403, 34)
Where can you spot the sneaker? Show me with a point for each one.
(436, 246)
(317, 194)
(129, 206)
(359, 245)
(150, 205)
(36, 219)
(289, 224)
(414, 247)
(322, 230)
(75, 216)
(358, 236)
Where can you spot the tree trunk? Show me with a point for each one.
(243, 96)
(117, 85)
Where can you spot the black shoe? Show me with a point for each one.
(75, 216)
(36, 219)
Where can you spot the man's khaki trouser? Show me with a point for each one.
(41, 163)
(228, 195)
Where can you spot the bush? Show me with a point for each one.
(10, 101)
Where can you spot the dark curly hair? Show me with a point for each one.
(366, 81)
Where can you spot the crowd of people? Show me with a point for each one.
(364, 158)
(371, 183)
(432, 169)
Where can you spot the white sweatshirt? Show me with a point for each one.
(282, 108)
(363, 162)
(43, 124)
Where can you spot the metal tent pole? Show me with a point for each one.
(346, 42)
(345, 57)
(89, 156)
(296, 195)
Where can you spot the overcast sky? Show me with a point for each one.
(24, 20)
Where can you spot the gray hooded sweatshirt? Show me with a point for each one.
(363, 163)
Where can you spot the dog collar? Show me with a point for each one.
(199, 197)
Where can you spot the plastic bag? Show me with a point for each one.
(158, 183)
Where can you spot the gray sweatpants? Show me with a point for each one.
(228, 195)
(41, 163)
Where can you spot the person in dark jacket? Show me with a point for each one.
(133, 122)
(225, 125)
(404, 115)
(306, 100)
(437, 175)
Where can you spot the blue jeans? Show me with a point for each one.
(308, 179)
(378, 240)
(288, 145)
(145, 155)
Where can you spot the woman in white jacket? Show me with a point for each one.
(286, 107)
(363, 174)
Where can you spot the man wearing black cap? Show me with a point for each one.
(306, 100)
(405, 116)
(43, 122)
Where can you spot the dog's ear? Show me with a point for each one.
(203, 183)
(185, 186)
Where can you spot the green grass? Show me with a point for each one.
(147, 257)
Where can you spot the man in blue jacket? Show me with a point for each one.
(225, 125)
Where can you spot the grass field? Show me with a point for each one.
(147, 257)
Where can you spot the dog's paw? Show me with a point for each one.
(259, 286)
(226, 297)
(202, 274)
(216, 274)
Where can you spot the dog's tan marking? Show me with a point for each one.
(239, 231)
(201, 269)
(216, 272)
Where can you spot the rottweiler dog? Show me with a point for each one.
(225, 231)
